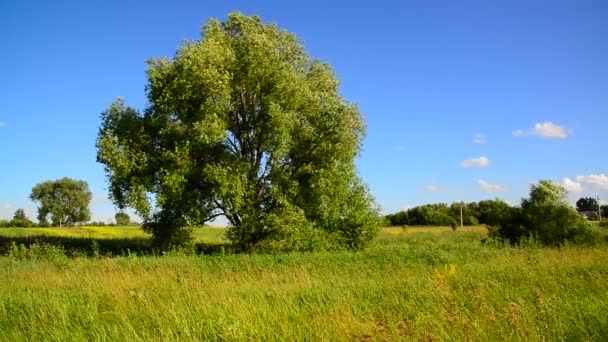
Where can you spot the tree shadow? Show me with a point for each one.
(107, 247)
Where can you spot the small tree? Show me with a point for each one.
(66, 200)
(20, 219)
(586, 204)
(122, 219)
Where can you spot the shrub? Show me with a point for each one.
(471, 221)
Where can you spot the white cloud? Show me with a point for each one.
(432, 188)
(476, 162)
(599, 181)
(572, 185)
(547, 130)
(488, 187)
(480, 139)
(3, 124)
(7, 206)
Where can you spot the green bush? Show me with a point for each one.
(471, 221)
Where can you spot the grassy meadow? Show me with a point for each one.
(419, 283)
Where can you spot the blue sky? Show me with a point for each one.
(527, 80)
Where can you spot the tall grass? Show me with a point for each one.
(435, 284)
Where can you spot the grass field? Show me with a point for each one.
(414, 284)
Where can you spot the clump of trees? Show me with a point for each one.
(242, 124)
(65, 200)
(440, 214)
(546, 216)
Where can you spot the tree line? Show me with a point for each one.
(61, 202)
(544, 215)
(473, 213)
(442, 214)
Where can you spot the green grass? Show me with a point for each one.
(401, 288)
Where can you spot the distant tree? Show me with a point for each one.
(604, 210)
(122, 219)
(474, 210)
(586, 204)
(20, 219)
(66, 200)
(491, 212)
(242, 124)
(398, 219)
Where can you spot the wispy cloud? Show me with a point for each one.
(3, 124)
(547, 130)
(399, 148)
(488, 187)
(475, 162)
(480, 139)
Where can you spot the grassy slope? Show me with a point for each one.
(390, 291)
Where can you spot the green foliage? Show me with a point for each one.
(440, 214)
(546, 216)
(471, 221)
(66, 200)
(586, 204)
(122, 219)
(242, 124)
(20, 219)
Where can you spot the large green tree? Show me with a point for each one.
(244, 124)
(66, 200)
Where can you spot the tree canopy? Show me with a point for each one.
(66, 200)
(586, 204)
(20, 219)
(122, 219)
(242, 124)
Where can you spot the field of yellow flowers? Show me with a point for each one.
(428, 284)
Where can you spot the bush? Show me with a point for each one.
(471, 221)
